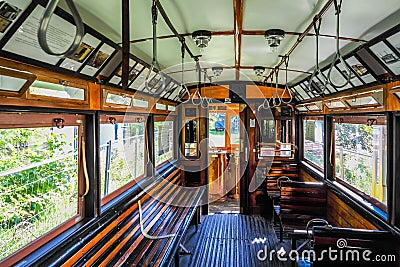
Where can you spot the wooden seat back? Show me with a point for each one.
(300, 202)
(351, 244)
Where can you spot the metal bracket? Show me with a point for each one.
(59, 123)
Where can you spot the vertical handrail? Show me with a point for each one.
(44, 26)
(108, 167)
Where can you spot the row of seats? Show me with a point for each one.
(145, 230)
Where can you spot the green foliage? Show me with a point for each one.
(354, 136)
(27, 195)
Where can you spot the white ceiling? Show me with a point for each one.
(359, 19)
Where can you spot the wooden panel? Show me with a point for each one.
(254, 91)
(392, 101)
(94, 96)
(341, 215)
(306, 177)
(216, 92)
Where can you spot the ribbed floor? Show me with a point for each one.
(234, 240)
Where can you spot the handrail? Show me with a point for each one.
(85, 170)
(338, 56)
(142, 230)
(44, 25)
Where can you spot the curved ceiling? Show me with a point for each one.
(361, 20)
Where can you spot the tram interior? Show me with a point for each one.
(199, 133)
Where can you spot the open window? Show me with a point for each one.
(122, 153)
(360, 156)
(40, 178)
(51, 88)
(163, 139)
(14, 82)
(313, 141)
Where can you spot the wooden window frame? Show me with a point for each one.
(29, 77)
(38, 120)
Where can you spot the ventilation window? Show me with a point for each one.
(313, 107)
(301, 108)
(160, 106)
(56, 90)
(335, 104)
(140, 103)
(362, 101)
(118, 99)
(171, 108)
(13, 82)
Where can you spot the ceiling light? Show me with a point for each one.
(274, 37)
(217, 71)
(259, 70)
(201, 38)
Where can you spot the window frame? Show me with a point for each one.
(127, 118)
(159, 118)
(307, 161)
(12, 120)
(375, 202)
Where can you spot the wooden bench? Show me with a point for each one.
(126, 236)
(353, 242)
(299, 202)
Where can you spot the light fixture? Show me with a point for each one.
(217, 71)
(274, 38)
(201, 38)
(259, 71)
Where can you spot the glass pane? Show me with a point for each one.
(335, 104)
(301, 108)
(121, 154)
(163, 141)
(362, 101)
(171, 108)
(301, 92)
(11, 84)
(361, 157)
(387, 57)
(56, 90)
(314, 141)
(161, 106)
(38, 183)
(235, 130)
(140, 103)
(217, 129)
(313, 108)
(118, 99)
(362, 71)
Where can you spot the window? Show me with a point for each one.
(118, 99)
(38, 179)
(122, 146)
(56, 90)
(235, 130)
(163, 141)
(314, 141)
(217, 129)
(360, 155)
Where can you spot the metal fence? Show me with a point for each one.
(35, 199)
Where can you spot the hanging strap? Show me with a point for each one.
(338, 57)
(44, 25)
(286, 89)
(154, 63)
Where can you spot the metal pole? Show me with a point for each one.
(125, 44)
